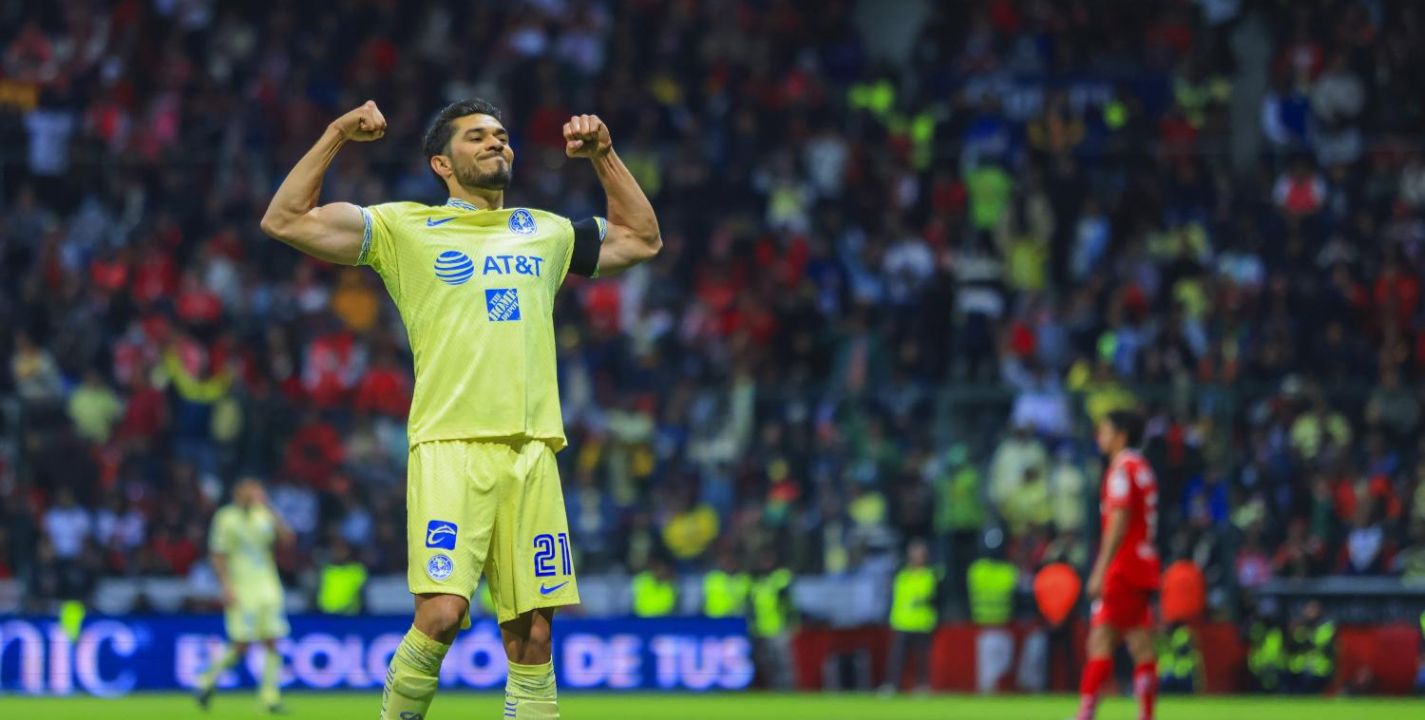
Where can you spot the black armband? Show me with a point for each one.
(588, 238)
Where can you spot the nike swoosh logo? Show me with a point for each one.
(546, 590)
(432, 222)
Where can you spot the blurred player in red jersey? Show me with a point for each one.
(1125, 576)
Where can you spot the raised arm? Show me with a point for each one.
(331, 232)
(633, 236)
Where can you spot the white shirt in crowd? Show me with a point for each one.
(68, 528)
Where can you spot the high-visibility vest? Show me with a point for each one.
(991, 591)
(653, 596)
(1264, 658)
(878, 97)
(913, 601)
(725, 594)
(1315, 650)
(487, 603)
(1178, 660)
(339, 592)
(920, 128)
(769, 613)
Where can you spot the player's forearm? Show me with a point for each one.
(285, 534)
(220, 568)
(299, 191)
(1112, 539)
(628, 206)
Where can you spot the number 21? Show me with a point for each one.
(546, 546)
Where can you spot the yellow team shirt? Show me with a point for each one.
(475, 289)
(245, 537)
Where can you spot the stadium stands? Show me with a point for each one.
(908, 257)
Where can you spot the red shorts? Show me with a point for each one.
(1123, 606)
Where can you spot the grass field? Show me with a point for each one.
(471, 706)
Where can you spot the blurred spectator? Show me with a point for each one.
(67, 526)
(34, 371)
(1019, 458)
(119, 530)
(1028, 508)
(689, 530)
(1410, 561)
(1366, 552)
(94, 408)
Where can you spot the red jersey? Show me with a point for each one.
(1130, 484)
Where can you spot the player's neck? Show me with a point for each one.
(491, 200)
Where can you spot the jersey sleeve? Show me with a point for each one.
(378, 240)
(1118, 490)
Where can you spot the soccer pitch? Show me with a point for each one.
(746, 706)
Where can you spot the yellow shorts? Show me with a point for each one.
(256, 621)
(491, 506)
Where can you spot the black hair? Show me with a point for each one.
(437, 138)
(1129, 423)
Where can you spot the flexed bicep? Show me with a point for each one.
(335, 232)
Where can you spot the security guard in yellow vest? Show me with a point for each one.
(991, 581)
(1311, 660)
(914, 616)
(1266, 654)
(725, 589)
(654, 591)
(770, 623)
(1179, 661)
(877, 97)
(340, 583)
(484, 601)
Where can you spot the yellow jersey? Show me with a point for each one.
(244, 538)
(475, 289)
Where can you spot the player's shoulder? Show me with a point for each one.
(400, 210)
(1130, 459)
(1133, 464)
(225, 514)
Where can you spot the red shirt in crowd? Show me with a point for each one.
(314, 454)
(385, 390)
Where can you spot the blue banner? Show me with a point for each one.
(115, 656)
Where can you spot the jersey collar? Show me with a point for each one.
(457, 202)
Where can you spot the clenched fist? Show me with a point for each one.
(364, 124)
(587, 136)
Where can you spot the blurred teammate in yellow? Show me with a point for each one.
(240, 545)
(475, 282)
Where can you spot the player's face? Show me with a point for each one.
(248, 495)
(1107, 437)
(480, 153)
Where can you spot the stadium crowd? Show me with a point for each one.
(907, 258)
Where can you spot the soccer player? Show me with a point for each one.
(475, 282)
(1125, 575)
(240, 543)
